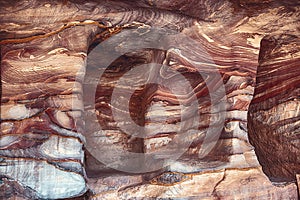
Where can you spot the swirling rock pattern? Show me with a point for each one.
(44, 48)
(274, 112)
(41, 124)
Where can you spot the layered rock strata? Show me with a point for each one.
(41, 116)
(46, 74)
(274, 112)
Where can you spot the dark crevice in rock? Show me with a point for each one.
(298, 183)
(138, 103)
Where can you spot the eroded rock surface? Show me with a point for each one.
(41, 117)
(49, 62)
(274, 112)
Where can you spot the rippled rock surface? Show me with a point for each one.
(169, 116)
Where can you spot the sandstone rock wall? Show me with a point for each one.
(53, 102)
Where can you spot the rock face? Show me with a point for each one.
(274, 112)
(41, 125)
(149, 99)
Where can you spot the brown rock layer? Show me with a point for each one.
(273, 118)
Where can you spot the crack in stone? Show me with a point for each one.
(214, 192)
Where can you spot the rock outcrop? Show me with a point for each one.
(275, 109)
